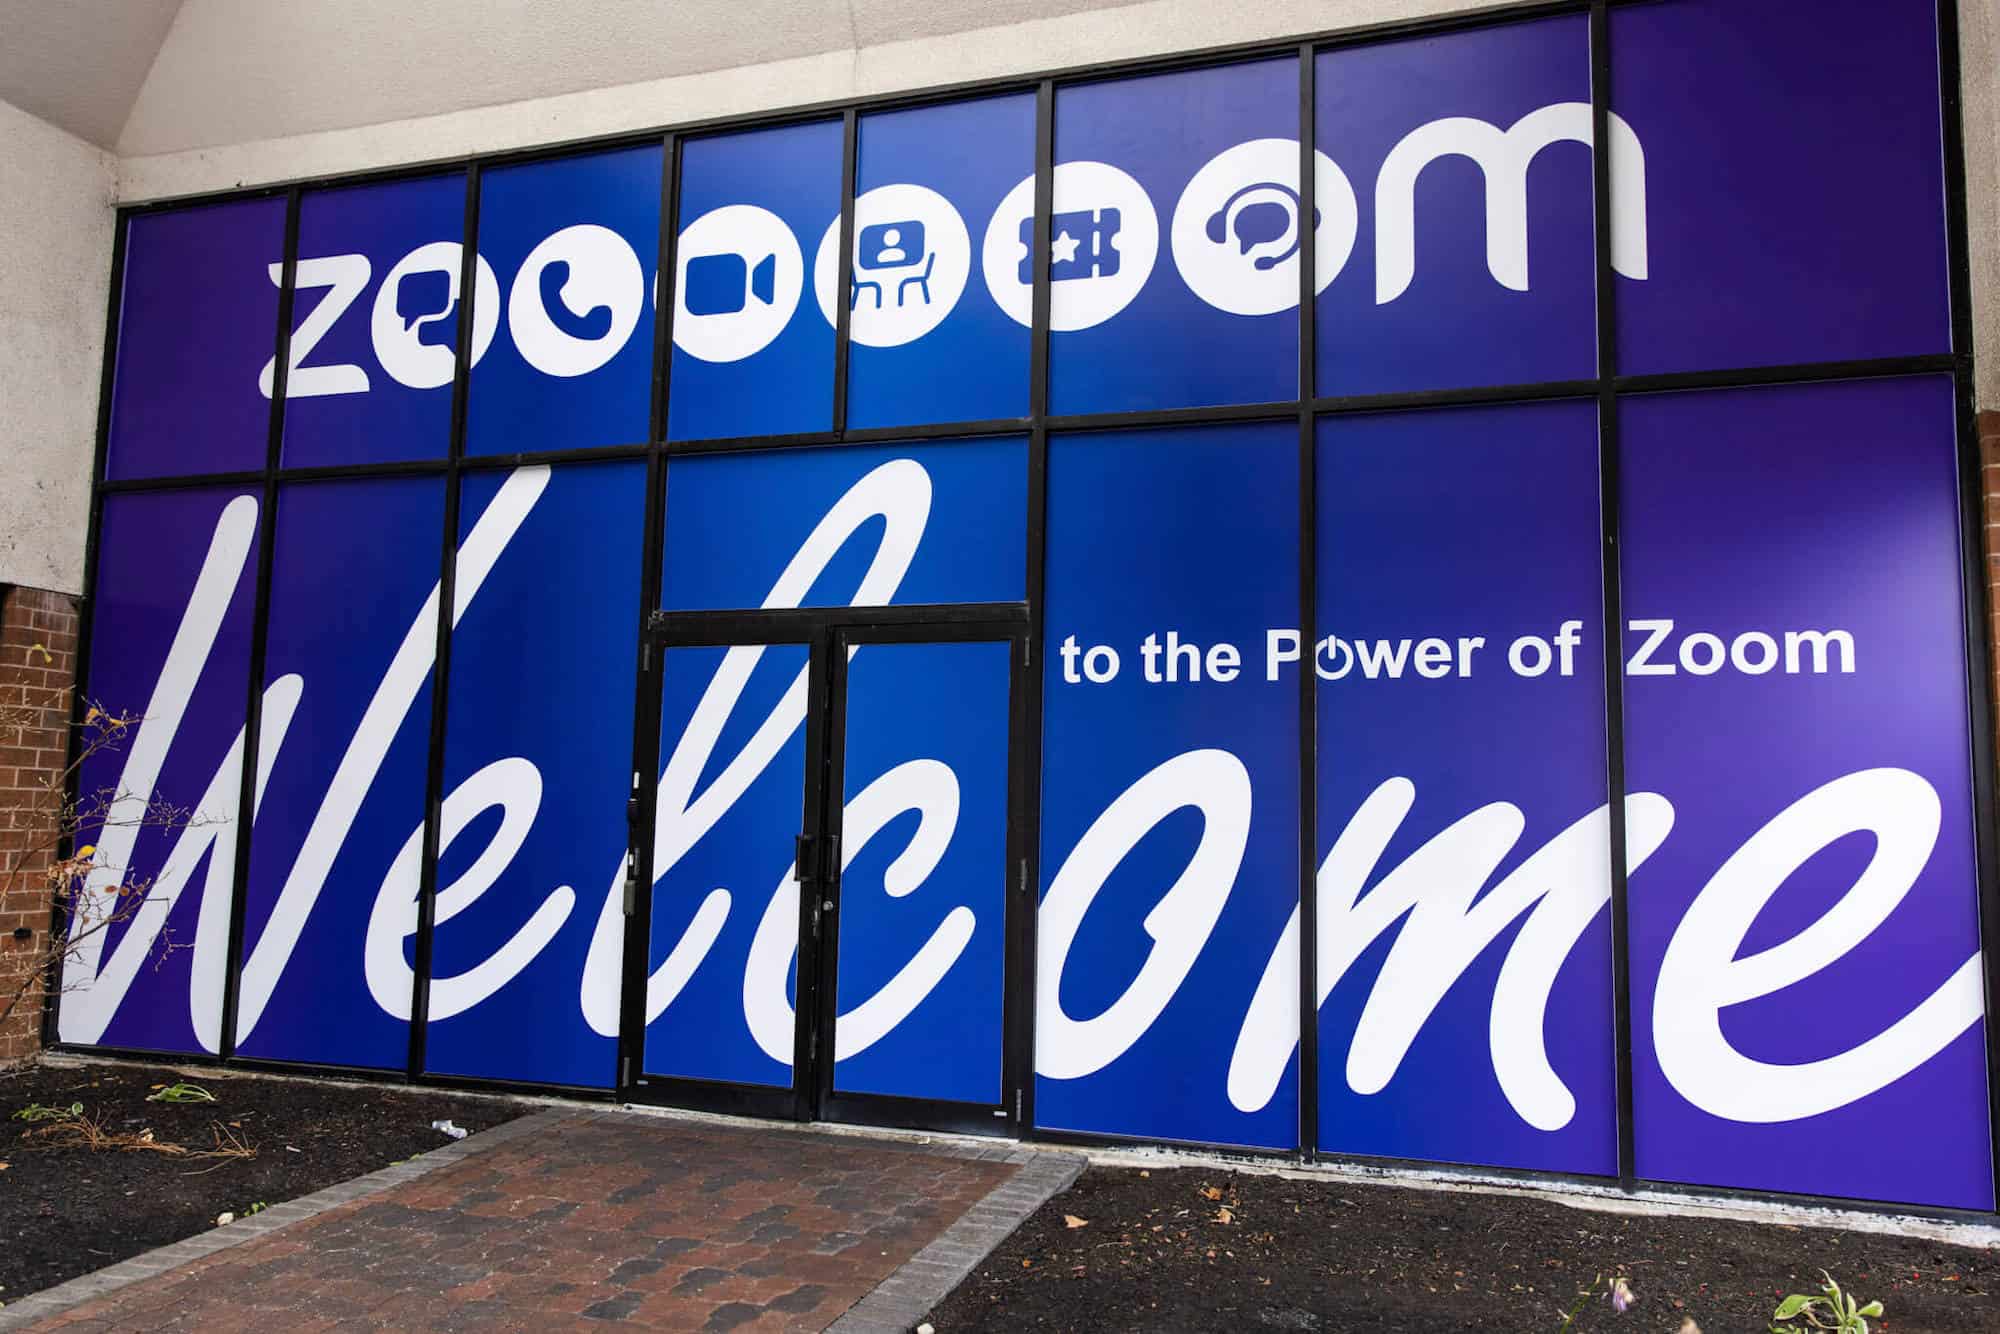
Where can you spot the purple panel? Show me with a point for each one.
(1794, 182)
(197, 325)
(176, 564)
(1817, 886)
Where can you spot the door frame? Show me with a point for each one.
(823, 632)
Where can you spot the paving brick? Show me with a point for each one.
(590, 1220)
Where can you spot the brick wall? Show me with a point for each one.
(1989, 486)
(38, 633)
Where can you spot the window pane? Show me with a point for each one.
(1174, 246)
(1805, 942)
(1472, 151)
(169, 647)
(751, 358)
(1462, 774)
(345, 735)
(574, 243)
(858, 526)
(540, 726)
(376, 323)
(1794, 182)
(198, 316)
(929, 341)
(1170, 800)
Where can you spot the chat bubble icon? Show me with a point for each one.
(424, 298)
(1265, 220)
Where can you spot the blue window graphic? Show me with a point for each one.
(862, 525)
(752, 354)
(375, 337)
(930, 341)
(1174, 240)
(1163, 545)
(573, 245)
(197, 317)
(1788, 224)
(1474, 263)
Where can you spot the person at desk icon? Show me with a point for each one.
(891, 251)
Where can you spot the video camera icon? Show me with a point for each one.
(725, 284)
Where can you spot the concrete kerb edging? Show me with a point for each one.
(927, 1277)
(99, 1283)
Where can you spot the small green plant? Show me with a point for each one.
(256, 1208)
(1835, 1310)
(36, 1111)
(182, 1092)
(1615, 1290)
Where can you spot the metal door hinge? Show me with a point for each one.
(1017, 1104)
(631, 885)
(1021, 876)
(625, 1070)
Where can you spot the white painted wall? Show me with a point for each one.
(56, 201)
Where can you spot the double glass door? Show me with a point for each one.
(835, 891)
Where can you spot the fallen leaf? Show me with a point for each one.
(1072, 1221)
(5, 1166)
(1144, 1173)
(1211, 1192)
(1224, 1216)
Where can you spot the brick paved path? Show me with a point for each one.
(591, 1220)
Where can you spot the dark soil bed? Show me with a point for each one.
(1154, 1252)
(65, 1211)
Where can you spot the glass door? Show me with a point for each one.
(916, 883)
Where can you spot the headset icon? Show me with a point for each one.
(1220, 222)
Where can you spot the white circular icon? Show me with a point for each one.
(738, 277)
(1103, 240)
(1238, 227)
(911, 259)
(600, 289)
(415, 321)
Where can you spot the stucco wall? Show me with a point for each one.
(56, 198)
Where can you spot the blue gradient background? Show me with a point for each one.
(974, 365)
(786, 386)
(1456, 325)
(548, 678)
(1795, 177)
(150, 551)
(944, 702)
(354, 563)
(1409, 503)
(197, 320)
(1727, 530)
(513, 407)
(1169, 348)
(391, 422)
(734, 521)
(1195, 530)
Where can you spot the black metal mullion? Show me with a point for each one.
(1308, 813)
(1613, 622)
(843, 299)
(267, 530)
(643, 794)
(1023, 979)
(1975, 590)
(461, 385)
